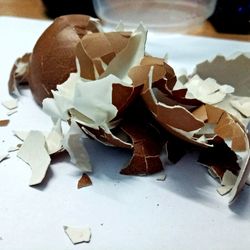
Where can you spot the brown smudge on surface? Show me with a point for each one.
(86, 64)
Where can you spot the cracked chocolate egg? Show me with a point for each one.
(53, 56)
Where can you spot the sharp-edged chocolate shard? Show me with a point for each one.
(147, 147)
(4, 122)
(96, 50)
(220, 156)
(147, 140)
(171, 117)
(84, 181)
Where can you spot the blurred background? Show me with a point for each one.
(231, 18)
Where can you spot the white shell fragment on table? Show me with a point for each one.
(34, 152)
(242, 105)
(161, 177)
(78, 235)
(208, 90)
(10, 104)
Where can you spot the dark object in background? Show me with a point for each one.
(232, 16)
(55, 8)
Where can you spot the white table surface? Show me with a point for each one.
(124, 212)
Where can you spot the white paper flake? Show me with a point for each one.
(78, 235)
(34, 153)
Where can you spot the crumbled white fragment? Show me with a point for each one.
(243, 106)
(207, 91)
(73, 144)
(161, 177)
(10, 104)
(34, 153)
(55, 138)
(78, 235)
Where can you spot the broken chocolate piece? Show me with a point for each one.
(84, 181)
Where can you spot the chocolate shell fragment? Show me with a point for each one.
(53, 56)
